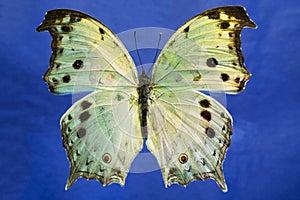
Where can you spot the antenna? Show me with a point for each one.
(160, 34)
(137, 51)
(156, 52)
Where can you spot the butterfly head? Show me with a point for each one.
(144, 79)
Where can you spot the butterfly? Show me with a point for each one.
(186, 130)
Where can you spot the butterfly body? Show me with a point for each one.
(144, 91)
(187, 131)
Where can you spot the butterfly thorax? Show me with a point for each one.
(143, 100)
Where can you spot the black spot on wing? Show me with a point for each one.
(186, 29)
(210, 132)
(59, 38)
(211, 62)
(85, 105)
(84, 116)
(66, 79)
(78, 64)
(101, 30)
(224, 25)
(206, 115)
(237, 80)
(81, 132)
(204, 103)
(70, 117)
(223, 115)
(224, 77)
(56, 65)
(66, 28)
(54, 80)
(59, 51)
(214, 15)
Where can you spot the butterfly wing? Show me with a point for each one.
(205, 53)
(100, 131)
(85, 54)
(189, 133)
(101, 136)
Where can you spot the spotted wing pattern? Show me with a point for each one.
(189, 133)
(86, 55)
(101, 136)
(100, 131)
(205, 53)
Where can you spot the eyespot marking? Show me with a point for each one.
(106, 158)
(183, 158)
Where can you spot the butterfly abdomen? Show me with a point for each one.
(143, 100)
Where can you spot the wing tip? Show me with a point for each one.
(239, 12)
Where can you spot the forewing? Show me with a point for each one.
(205, 53)
(85, 54)
(101, 136)
(189, 133)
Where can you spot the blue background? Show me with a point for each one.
(263, 161)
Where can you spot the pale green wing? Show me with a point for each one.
(85, 54)
(189, 133)
(102, 137)
(100, 131)
(205, 53)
